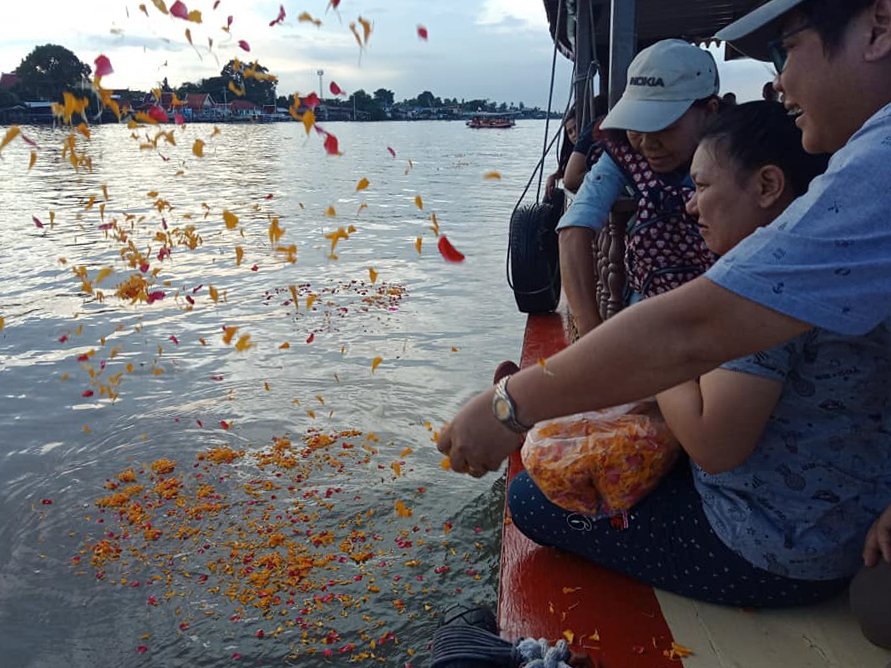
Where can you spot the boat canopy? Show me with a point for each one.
(696, 21)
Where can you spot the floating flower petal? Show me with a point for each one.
(103, 66)
(448, 251)
(280, 17)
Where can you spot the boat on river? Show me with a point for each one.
(619, 622)
(491, 121)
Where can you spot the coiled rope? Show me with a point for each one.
(538, 654)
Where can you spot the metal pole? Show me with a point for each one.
(623, 45)
(584, 54)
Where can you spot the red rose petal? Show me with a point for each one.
(312, 100)
(448, 251)
(103, 66)
(179, 10)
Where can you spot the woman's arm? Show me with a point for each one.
(719, 420)
(575, 171)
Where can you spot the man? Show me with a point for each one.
(825, 262)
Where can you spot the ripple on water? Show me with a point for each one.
(439, 343)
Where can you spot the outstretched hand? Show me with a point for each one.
(475, 442)
(878, 540)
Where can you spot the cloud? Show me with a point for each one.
(496, 48)
(515, 14)
(106, 42)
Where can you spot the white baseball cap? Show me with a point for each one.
(663, 81)
(751, 34)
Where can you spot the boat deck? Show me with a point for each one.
(625, 624)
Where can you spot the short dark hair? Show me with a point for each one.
(831, 18)
(756, 134)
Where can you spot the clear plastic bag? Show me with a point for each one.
(601, 462)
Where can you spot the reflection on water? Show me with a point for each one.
(439, 328)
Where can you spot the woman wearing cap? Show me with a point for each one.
(654, 129)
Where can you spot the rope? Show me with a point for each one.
(550, 100)
(539, 654)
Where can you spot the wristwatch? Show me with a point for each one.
(505, 410)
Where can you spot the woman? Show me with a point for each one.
(788, 464)
(649, 139)
(567, 146)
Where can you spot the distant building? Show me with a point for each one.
(199, 103)
(244, 108)
(8, 80)
(166, 102)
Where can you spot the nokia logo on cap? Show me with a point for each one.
(652, 82)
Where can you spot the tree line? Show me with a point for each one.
(50, 70)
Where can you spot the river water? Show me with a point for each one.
(297, 512)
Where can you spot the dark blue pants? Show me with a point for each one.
(668, 544)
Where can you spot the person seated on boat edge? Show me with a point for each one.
(786, 467)
(871, 589)
(587, 149)
(567, 146)
(672, 90)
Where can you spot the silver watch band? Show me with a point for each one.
(510, 421)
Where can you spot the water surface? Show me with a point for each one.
(439, 328)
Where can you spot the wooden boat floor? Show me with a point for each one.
(625, 624)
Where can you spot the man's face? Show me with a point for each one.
(820, 89)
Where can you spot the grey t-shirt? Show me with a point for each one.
(802, 503)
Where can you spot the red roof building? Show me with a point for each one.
(243, 107)
(166, 102)
(8, 80)
(198, 102)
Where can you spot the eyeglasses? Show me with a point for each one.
(778, 53)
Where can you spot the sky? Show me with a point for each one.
(495, 49)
